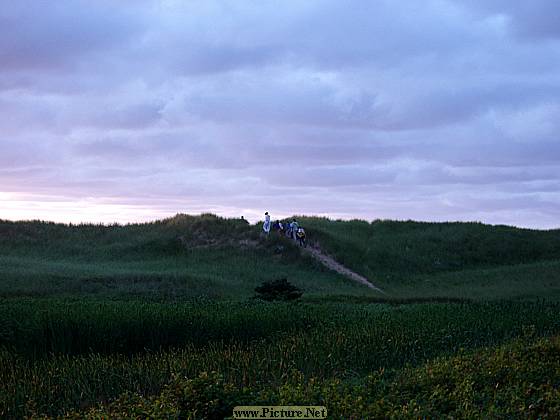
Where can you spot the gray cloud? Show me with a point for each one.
(533, 20)
(445, 110)
(46, 35)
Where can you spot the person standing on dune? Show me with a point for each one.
(294, 227)
(278, 227)
(266, 224)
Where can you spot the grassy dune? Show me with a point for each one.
(158, 320)
(182, 257)
(467, 260)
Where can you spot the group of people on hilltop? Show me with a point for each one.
(290, 229)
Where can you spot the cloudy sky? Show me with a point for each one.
(409, 109)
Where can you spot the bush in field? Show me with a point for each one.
(280, 289)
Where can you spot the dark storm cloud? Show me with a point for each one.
(442, 109)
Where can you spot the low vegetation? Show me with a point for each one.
(518, 380)
(159, 320)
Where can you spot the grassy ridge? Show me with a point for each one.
(178, 258)
(397, 254)
(191, 257)
(161, 237)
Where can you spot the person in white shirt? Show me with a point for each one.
(266, 224)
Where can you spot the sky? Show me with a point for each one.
(436, 110)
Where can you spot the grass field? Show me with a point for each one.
(158, 320)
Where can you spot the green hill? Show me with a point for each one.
(181, 257)
(444, 259)
(208, 256)
(157, 319)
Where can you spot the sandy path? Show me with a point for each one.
(339, 268)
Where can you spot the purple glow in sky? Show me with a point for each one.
(136, 110)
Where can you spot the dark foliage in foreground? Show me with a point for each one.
(280, 289)
(58, 357)
(518, 380)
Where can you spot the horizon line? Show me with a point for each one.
(256, 223)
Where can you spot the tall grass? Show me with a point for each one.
(516, 380)
(100, 351)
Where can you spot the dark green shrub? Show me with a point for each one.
(280, 289)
